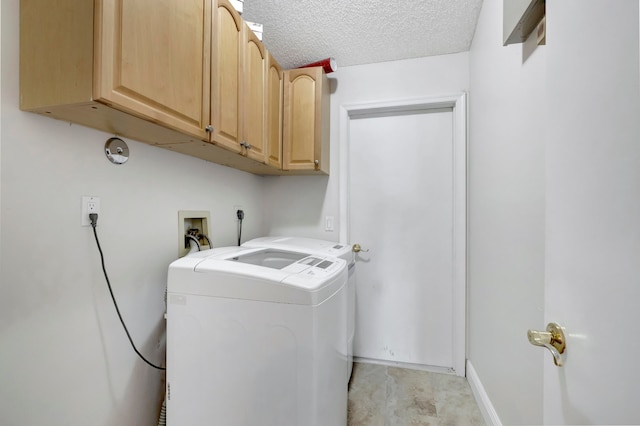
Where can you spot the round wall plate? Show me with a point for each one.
(116, 150)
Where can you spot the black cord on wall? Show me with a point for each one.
(240, 215)
(94, 221)
(203, 236)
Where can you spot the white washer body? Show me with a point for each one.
(256, 337)
(313, 246)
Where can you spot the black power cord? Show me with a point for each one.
(94, 221)
(240, 215)
(203, 236)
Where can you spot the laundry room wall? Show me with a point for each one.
(65, 358)
(506, 217)
(0, 137)
(299, 205)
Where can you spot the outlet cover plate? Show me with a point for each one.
(90, 204)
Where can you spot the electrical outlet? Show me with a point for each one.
(89, 205)
(235, 211)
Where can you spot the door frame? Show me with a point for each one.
(458, 103)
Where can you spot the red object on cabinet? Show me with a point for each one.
(328, 64)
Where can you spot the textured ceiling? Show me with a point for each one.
(356, 32)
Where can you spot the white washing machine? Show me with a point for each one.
(256, 337)
(311, 246)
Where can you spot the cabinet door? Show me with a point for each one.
(305, 137)
(152, 59)
(254, 96)
(226, 75)
(275, 83)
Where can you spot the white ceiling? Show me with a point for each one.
(356, 32)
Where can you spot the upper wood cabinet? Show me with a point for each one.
(274, 104)
(238, 76)
(254, 97)
(106, 63)
(306, 121)
(152, 59)
(186, 75)
(226, 75)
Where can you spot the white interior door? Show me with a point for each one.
(593, 212)
(402, 203)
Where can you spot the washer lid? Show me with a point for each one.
(258, 274)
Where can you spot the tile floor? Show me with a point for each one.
(391, 396)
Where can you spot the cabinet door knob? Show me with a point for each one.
(209, 129)
(316, 162)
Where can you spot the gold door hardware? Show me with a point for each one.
(357, 249)
(552, 339)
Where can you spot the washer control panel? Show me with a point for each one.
(317, 266)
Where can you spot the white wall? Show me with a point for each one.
(298, 206)
(506, 218)
(65, 357)
(0, 137)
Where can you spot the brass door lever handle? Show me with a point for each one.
(357, 249)
(552, 339)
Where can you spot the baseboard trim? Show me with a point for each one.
(387, 363)
(484, 403)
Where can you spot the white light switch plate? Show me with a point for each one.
(328, 223)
